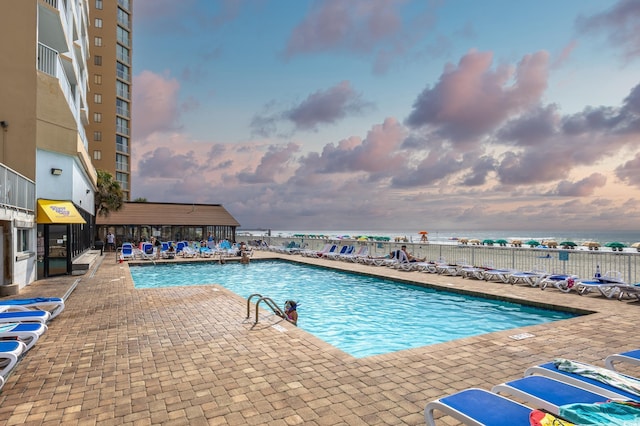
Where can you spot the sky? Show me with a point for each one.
(391, 114)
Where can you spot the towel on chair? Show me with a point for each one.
(600, 374)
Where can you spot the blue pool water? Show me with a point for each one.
(361, 315)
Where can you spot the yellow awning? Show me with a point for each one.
(51, 211)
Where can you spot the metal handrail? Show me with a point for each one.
(269, 302)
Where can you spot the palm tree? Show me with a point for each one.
(109, 197)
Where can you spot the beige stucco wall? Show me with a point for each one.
(18, 47)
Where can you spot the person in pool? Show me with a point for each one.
(291, 311)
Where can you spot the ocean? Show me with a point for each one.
(451, 236)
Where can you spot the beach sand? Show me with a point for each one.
(185, 355)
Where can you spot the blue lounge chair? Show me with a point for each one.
(551, 370)
(24, 316)
(548, 394)
(127, 252)
(632, 357)
(54, 305)
(478, 407)
(28, 333)
(10, 352)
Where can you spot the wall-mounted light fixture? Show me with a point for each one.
(56, 172)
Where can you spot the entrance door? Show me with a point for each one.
(58, 250)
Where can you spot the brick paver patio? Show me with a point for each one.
(185, 355)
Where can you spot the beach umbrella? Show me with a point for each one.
(532, 243)
(568, 244)
(502, 242)
(636, 246)
(423, 232)
(593, 245)
(488, 242)
(615, 246)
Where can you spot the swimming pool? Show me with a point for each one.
(358, 314)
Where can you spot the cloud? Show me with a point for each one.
(620, 23)
(471, 99)
(155, 98)
(320, 108)
(582, 188)
(273, 162)
(629, 172)
(326, 107)
(376, 154)
(355, 25)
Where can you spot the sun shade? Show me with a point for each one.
(50, 211)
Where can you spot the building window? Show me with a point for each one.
(124, 3)
(97, 78)
(123, 18)
(98, 23)
(97, 98)
(99, 4)
(97, 136)
(122, 162)
(122, 126)
(97, 60)
(122, 71)
(122, 107)
(123, 180)
(97, 155)
(97, 117)
(122, 90)
(123, 36)
(122, 144)
(23, 239)
(122, 53)
(97, 41)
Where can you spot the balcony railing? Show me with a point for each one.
(16, 191)
(49, 62)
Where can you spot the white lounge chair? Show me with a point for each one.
(631, 357)
(28, 333)
(532, 277)
(10, 353)
(24, 316)
(363, 251)
(54, 305)
(608, 284)
(563, 282)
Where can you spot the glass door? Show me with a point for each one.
(58, 250)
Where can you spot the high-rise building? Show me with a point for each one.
(48, 180)
(109, 129)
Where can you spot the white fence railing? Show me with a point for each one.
(575, 261)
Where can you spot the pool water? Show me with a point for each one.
(358, 314)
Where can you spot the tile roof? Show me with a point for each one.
(135, 213)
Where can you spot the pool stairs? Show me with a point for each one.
(267, 301)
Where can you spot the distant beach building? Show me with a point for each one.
(138, 221)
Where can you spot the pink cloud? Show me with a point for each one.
(355, 25)
(471, 99)
(156, 104)
(582, 188)
(376, 154)
(620, 23)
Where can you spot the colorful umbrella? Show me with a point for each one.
(532, 243)
(615, 246)
(568, 244)
(502, 242)
(423, 232)
(488, 242)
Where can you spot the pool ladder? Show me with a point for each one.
(267, 301)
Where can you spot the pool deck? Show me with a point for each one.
(186, 355)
